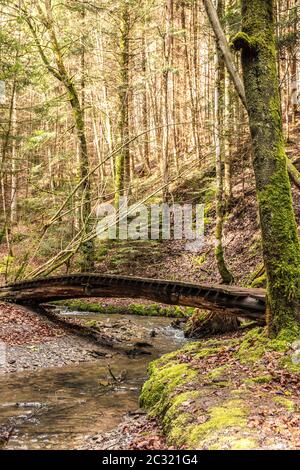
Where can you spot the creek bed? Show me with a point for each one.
(58, 408)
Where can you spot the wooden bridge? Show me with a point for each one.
(240, 301)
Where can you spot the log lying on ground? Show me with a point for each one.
(239, 301)
(293, 173)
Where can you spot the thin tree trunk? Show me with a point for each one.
(228, 130)
(14, 167)
(294, 65)
(122, 166)
(145, 120)
(226, 276)
(167, 46)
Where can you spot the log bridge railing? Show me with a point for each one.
(240, 301)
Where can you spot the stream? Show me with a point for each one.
(58, 408)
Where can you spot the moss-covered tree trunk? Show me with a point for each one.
(122, 165)
(281, 248)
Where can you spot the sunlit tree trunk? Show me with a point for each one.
(145, 111)
(226, 276)
(122, 166)
(167, 48)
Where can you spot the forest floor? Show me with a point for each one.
(240, 391)
(137, 432)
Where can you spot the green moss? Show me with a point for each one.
(261, 379)
(256, 343)
(200, 260)
(180, 396)
(91, 324)
(194, 349)
(231, 414)
(259, 282)
(289, 335)
(165, 359)
(221, 343)
(252, 347)
(133, 309)
(285, 402)
(242, 40)
(180, 422)
(205, 352)
(172, 394)
(101, 252)
(163, 382)
(176, 418)
(217, 373)
(245, 444)
(287, 364)
(163, 395)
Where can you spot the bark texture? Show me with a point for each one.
(279, 231)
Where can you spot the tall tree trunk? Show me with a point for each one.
(122, 167)
(226, 276)
(294, 64)
(167, 47)
(228, 131)
(14, 166)
(87, 248)
(145, 120)
(228, 127)
(281, 248)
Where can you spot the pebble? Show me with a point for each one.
(296, 358)
(70, 349)
(296, 345)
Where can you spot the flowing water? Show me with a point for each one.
(57, 408)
